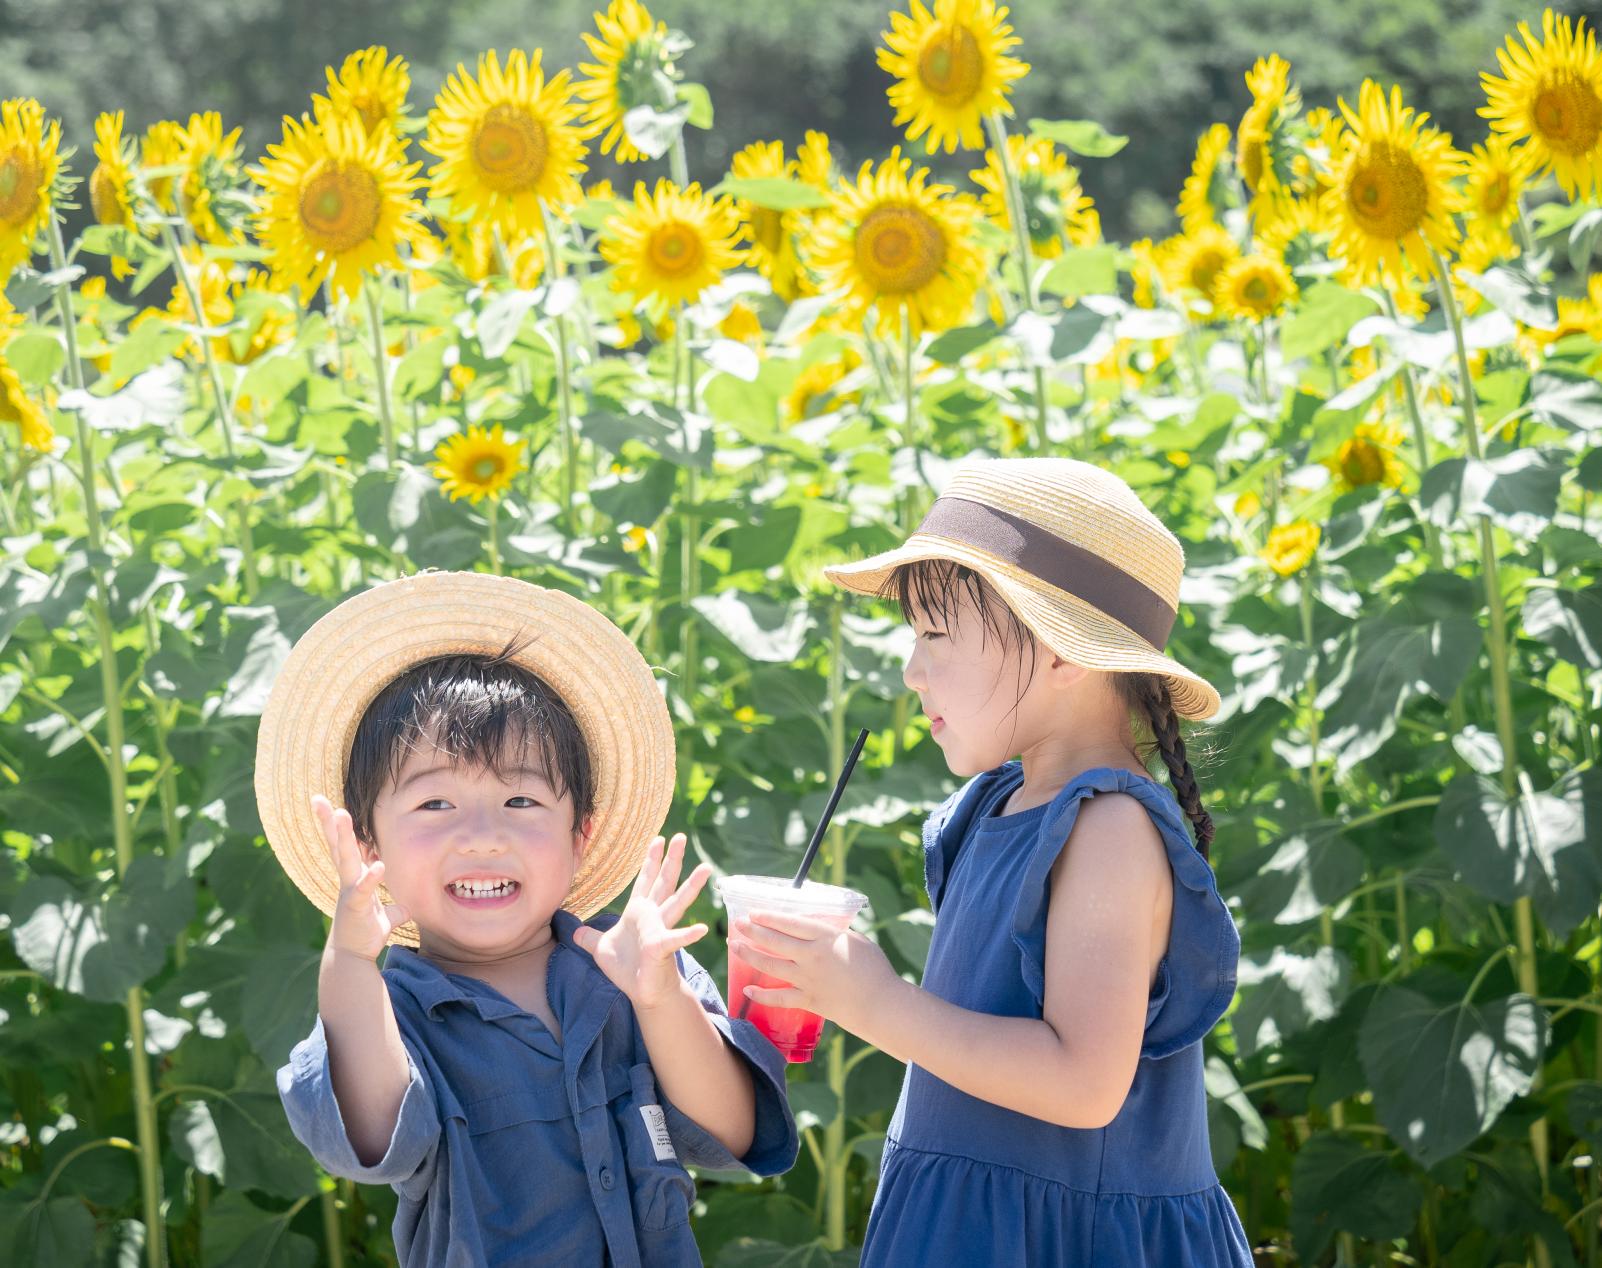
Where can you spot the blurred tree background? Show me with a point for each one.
(1156, 70)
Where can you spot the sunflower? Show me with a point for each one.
(1494, 178)
(1255, 287)
(1263, 151)
(1289, 234)
(267, 321)
(1550, 97)
(770, 232)
(669, 245)
(337, 203)
(108, 183)
(813, 162)
(1391, 199)
(815, 387)
(370, 85)
(160, 149)
(210, 159)
(1055, 206)
(1369, 457)
(472, 245)
(506, 141)
(477, 465)
(1310, 165)
(1145, 272)
(900, 244)
(29, 162)
(1580, 316)
(15, 407)
(633, 66)
(1193, 262)
(951, 68)
(1291, 547)
(1206, 191)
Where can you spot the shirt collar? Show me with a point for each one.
(574, 983)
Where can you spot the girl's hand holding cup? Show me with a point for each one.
(837, 973)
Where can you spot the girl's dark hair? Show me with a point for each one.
(935, 588)
(481, 710)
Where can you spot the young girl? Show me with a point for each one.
(1053, 1110)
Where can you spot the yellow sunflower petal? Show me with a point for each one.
(30, 160)
(633, 66)
(478, 464)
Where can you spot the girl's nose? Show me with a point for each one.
(912, 671)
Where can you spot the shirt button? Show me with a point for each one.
(606, 1177)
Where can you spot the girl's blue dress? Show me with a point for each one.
(967, 1182)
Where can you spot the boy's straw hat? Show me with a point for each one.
(341, 664)
(1073, 552)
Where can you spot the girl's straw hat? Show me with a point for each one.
(1073, 552)
(341, 664)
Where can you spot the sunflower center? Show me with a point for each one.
(1387, 193)
(1257, 290)
(1361, 463)
(339, 207)
(510, 149)
(1494, 197)
(105, 197)
(486, 468)
(1204, 269)
(951, 65)
(675, 250)
(1568, 115)
(768, 227)
(19, 186)
(899, 249)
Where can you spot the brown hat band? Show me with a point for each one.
(1059, 563)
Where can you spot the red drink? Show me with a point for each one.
(793, 1031)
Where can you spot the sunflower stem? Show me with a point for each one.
(121, 827)
(1500, 652)
(494, 517)
(909, 509)
(225, 413)
(680, 164)
(375, 320)
(564, 379)
(837, 1158)
(333, 1235)
(689, 653)
(1016, 213)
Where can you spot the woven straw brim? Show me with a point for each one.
(1075, 630)
(341, 664)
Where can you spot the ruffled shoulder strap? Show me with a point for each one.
(1196, 979)
(948, 824)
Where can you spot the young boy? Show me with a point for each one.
(529, 1080)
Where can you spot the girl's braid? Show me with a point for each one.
(1165, 729)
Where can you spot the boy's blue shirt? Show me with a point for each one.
(513, 1149)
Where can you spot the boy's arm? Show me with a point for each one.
(368, 1067)
(367, 1062)
(697, 1070)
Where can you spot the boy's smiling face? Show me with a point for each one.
(481, 862)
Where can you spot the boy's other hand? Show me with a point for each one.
(362, 922)
(637, 953)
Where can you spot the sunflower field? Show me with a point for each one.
(1361, 384)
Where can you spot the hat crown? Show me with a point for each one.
(1082, 504)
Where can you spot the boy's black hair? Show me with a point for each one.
(935, 587)
(482, 710)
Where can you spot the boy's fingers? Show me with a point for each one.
(648, 870)
(327, 819)
(668, 878)
(675, 907)
(671, 942)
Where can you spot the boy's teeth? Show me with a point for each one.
(482, 889)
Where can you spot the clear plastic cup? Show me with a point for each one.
(793, 1031)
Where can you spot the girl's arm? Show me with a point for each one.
(1109, 887)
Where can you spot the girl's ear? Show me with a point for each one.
(581, 839)
(1064, 675)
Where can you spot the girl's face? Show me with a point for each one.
(983, 694)
(481, 864)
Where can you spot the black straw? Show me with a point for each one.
(817, 832)
(828, 810)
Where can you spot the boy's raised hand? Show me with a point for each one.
(637, 953)
(362, 922)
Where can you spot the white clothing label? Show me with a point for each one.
(656, 1128)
